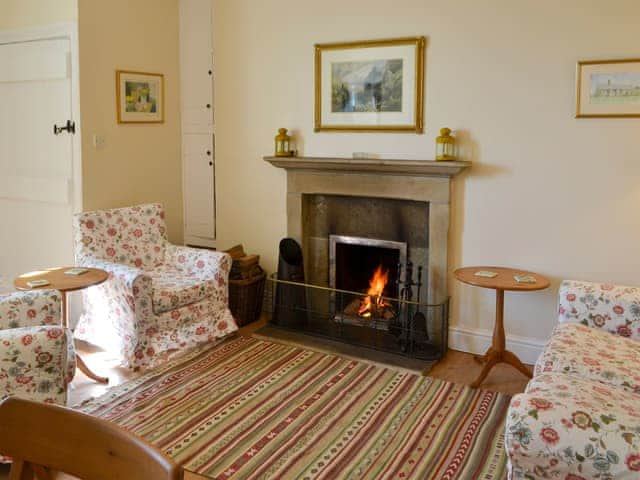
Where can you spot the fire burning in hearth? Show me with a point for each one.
(374, 303)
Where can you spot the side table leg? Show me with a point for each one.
(85, 369)
(495, 354)
(498, 352)
(79, 361)
(514, 361)
(492, 359)
(65, 309)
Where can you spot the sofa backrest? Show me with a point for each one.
(612, 308)
(135, 236)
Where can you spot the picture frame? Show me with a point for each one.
(139, 97)
(608, 88)
(370, 86)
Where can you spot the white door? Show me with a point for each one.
(199, 195)
(36, 166)
(198, 149)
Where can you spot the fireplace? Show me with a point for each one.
(366, 281)
(370, 266)
(371, 231)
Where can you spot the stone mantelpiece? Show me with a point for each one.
(414, 180)
(418, 168)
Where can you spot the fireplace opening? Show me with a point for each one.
(368, 266)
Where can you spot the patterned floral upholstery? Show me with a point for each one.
(579, 417)
(29, 309)
(173, 288)
(589, 353)
(566, 425)
(37, 357)
(612, 308)
(134, 236)
(160, 299)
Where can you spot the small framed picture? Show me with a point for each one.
(374, 85)
(608, 88)
(140, 97)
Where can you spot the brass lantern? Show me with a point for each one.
(283, 143)
(445, 145)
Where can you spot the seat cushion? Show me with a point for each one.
(566, 427)
(174, 288)
(592, 354)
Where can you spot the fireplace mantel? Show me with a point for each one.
(412, 168)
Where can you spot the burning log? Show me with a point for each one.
(374, 304)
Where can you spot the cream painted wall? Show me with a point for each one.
(547, 192)
(31, 13)
(138, 163)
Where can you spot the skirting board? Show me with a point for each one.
(478, 341)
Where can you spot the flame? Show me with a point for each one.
(374, 299)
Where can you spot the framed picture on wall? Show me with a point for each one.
(374, 85)
(140, 97)
(608, 88)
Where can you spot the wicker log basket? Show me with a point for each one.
(246, 286)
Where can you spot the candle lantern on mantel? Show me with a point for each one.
(445, 146)
(283, 144)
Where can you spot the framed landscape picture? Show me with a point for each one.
(608, 88)
(140, 97)
(374, 85)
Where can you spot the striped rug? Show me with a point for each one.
(251, 409)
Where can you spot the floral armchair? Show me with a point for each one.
(579, 417)
(37, 357)
(160, 299)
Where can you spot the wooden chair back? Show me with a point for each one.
(42, 438)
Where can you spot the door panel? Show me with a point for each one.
(199, 190)
(36, 166)
(196, 59)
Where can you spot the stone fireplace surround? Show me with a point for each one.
(411, 180)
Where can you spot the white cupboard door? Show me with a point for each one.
(199, 195)
(36, 166)
(196, 64)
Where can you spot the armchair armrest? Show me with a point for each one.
(30, 309)
(200, 261)
(129, 279)
(613, 308)
(37, 363)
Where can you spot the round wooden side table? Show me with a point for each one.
(64, 283)
(503, 281)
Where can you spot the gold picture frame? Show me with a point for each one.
(370, 86)
(608, 88)
(139, 97)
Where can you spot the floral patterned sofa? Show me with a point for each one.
(579, 417)
(37, 357)
(160, 299)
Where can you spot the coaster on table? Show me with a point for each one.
(485, 274)
(37, 283)
(76, 271)
(524, 278)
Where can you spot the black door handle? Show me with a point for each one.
(209, 152)
(208, 105)
(211, 164)
(70, 127)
